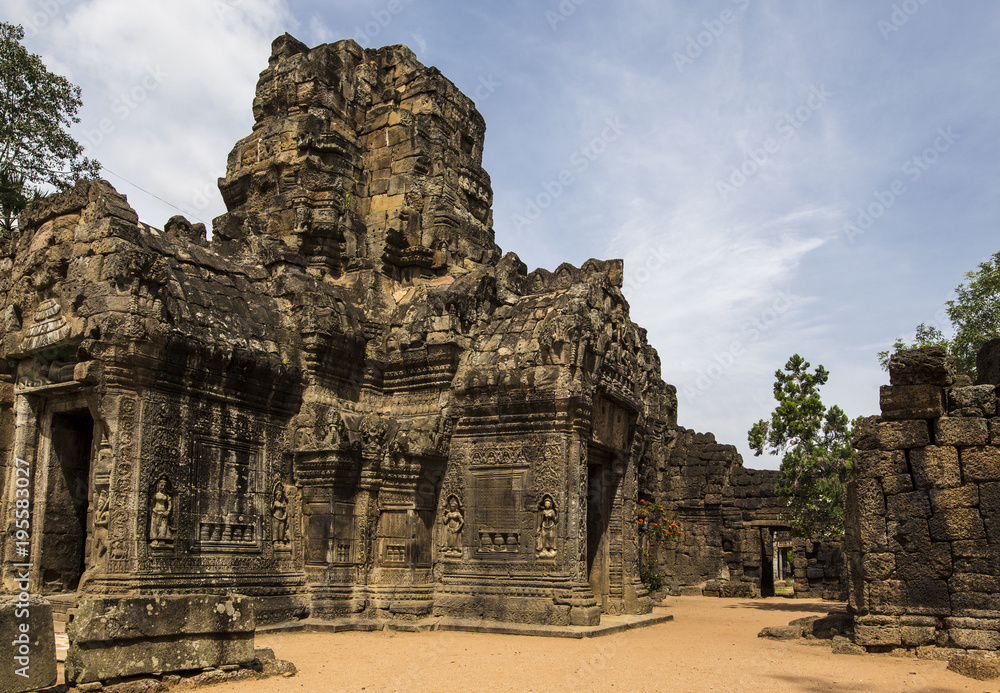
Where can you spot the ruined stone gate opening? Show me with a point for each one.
(58, 439)
(601, 488)
(70, 438)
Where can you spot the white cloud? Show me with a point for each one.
(167, 89)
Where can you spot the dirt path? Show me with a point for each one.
(712, 645)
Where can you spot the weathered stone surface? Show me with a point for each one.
(874, 636)
(897, 483)
(961, 430)
(879, 566)
(138, 686)
(909, 535)
(901, 435)
(871, 500)
(866, 434)
(116, 638)
(899, 402)
(872, 533)
(981, 463)
(975, 400)
(27, 644)
(879, 464)
(781, 632)
(905, 506)
(969, 639)
(988, 363)
(974, 667)
(916, 636)
(832, 625)
(843, 646)
(966, 496)
(936, 576)
(956, 523)
(935, 466)
(934, 563)
(926, 366)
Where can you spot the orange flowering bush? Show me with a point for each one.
(653, 525)
(653, 521)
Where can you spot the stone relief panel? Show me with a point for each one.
(123, 510)
(611, 424)
(161, 514)
(50, 327)
(229, 483)
(453, 523)
(499, 488)
(224, 470)
(545, 534)
(498, 504)
(330, 526)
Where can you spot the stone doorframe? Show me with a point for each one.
(32, 459)
(767, 531)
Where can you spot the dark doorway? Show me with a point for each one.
(766, 563)
(599, 496)
(64, 544)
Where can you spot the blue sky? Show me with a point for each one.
(780, 177)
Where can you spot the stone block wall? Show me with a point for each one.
(923, 515)
(819, 569)
(729, 517)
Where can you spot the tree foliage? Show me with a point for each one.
(974, 314)
(815, 445)
(36, 109)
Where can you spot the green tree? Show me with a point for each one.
(36, 109)
(815, 445)
(974, 314)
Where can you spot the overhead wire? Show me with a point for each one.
(138, 187)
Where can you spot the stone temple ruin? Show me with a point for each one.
(348, 403)
(923, 538)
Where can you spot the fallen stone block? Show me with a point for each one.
(781, 632)
(843, 646)
(131, 636)
(27, 645)
(974, 667)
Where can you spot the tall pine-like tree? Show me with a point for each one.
(815, 445)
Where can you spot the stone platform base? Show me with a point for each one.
(609, 626)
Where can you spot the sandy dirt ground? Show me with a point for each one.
(711, 645)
